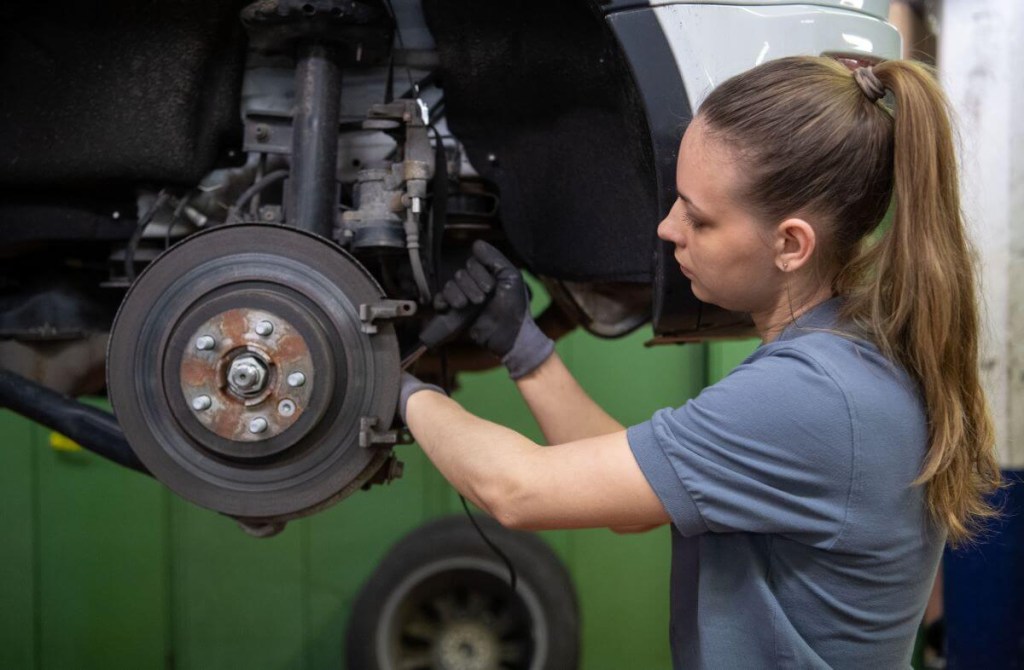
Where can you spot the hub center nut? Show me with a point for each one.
(247, 375)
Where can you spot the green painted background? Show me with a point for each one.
(103, 568)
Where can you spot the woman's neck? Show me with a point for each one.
(787, 308)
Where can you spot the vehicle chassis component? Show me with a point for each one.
(243, 453)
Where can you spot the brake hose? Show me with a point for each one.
(412, 243)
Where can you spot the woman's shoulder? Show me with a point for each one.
(817, 375)
(808, 355)
(798, 375)
(849, 359)
(847, 374)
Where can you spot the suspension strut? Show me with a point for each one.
(324, 36)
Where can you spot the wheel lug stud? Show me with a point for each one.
(201, 402)
(296, 379)
(286, 407)
(258, 425)
(205, 343)
(264, 328)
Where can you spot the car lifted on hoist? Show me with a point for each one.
(230, 216)
(267, 193)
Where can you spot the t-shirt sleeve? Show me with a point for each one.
(769, 449)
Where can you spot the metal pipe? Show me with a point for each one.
(94, 429)
(254, 190)
(313, 186)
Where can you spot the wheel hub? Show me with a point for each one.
(244, 377)
(468, 645)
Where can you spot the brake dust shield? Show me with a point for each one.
(248, 375)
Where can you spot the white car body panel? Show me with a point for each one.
(876, 8)
(711, 43)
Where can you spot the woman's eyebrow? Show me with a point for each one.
(689, 202)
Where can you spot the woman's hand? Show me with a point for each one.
(504, 326)
(409, 386)
(491, 284)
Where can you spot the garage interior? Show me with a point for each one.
(101, 567)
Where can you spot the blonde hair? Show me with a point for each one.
(816, 144)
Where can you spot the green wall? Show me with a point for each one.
(104, 568)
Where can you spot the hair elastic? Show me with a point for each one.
(869, 83)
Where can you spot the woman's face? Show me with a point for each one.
(725, 252)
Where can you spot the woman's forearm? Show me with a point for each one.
(561, 407)
(586, 484)
(484, 461)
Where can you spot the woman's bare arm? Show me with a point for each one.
(593, 482)
(561, 407)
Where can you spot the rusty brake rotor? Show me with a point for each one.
(255, 372)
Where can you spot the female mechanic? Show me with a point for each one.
(811, 491)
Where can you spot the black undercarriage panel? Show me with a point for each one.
(541, 97)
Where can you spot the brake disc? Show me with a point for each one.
(249, 375)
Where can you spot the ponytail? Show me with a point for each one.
(913, 291)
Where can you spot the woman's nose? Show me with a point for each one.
(669, 232)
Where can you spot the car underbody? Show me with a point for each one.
(231, 216)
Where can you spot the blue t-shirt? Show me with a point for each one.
(798, 540)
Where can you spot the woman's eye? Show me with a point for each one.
(696, 224)
(684, 215)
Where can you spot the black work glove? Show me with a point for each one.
(409, 386)
(504, 325)
(470, 288)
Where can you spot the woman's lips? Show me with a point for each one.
(682, 268)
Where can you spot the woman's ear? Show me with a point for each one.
(795, 242)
